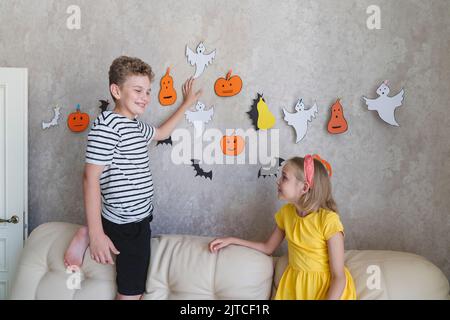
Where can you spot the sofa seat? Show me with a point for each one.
(181, 267)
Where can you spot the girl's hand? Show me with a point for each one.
(217, 244)
(189, 96)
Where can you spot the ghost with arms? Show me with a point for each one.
(199, 59)
(300, 119)
(199, 117)
(385, 105)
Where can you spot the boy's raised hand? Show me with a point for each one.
(189, 96)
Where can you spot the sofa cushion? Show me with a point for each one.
(388, 275)
(181, 267)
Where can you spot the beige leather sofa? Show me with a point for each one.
(182, 268)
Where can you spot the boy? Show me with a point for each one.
(118, 186)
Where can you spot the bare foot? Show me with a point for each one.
(75, 253)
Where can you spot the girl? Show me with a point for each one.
(314, 233)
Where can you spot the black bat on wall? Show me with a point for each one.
(199, 171)
(167, 141)
(253, 113)
(272, 171)
(104, 105)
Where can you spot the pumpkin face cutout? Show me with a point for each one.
(78, 121)
(167, 93)
(229, 86)
(337, 123)
(232, 145)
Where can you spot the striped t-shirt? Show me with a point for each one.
(121, 145)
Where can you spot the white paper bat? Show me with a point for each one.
(54, 122)
(385, 105)
(199, 59)
(199, 117)
(300, 119)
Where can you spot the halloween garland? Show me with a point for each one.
(260, 115)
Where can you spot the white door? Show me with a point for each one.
(13, 171)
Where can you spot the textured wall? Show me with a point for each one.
(392, 184)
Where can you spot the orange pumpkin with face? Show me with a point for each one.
(78, 121)
(228, 86)
(167, 93)
(232, 145)
(337, 123)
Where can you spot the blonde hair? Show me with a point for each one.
(320, 195)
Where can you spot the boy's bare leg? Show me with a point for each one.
(122, 297)
(75, 253)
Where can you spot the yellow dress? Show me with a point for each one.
(307, 276)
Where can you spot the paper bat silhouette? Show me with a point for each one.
(385, 105)
(199, 171)
(54, 122)
(167, 141)
(271, 171)
(300, 119)
(199, 117)
(199, 59)
(104, 105)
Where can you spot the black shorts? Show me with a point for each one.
(133, 242)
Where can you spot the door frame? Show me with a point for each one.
(18, 77)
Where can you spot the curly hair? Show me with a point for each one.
(123, 67)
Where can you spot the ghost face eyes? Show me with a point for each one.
(383, 90)
(201, 49)
(200, 106)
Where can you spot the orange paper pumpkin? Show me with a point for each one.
(232, 145)
(337, 123)
(167, 93)
(229, 86)
(325, 163)
(78, 121)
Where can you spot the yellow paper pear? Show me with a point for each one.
(266, 119)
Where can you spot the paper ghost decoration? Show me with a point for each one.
(299, 120)
(104, 105)
(325, 163)
(271, 171)
(54, 122)
(337, 123)
(167, 93)
(385, 105)
(199, 58)
(199, 117)
(260, 114)
(199, 171)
